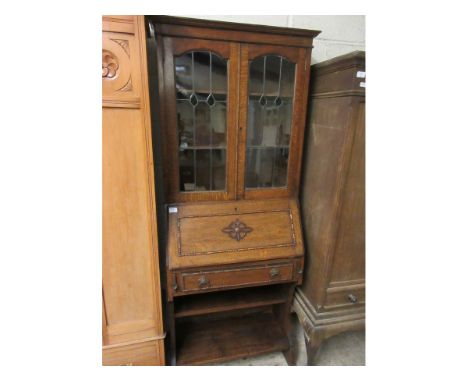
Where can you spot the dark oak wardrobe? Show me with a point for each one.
(332, 297)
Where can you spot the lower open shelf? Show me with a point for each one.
(229, 300)
(223, 339)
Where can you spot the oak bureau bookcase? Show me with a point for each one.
(232, 102)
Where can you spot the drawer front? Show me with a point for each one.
(226, 278)
(345, 298)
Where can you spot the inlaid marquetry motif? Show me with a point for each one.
(237, 230)
(110, 64)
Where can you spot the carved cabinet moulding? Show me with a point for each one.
(124, 44)
(128, 86)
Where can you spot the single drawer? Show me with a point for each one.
(343, 298)
(236, 277)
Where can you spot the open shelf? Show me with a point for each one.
(230, 300)
(209, 341)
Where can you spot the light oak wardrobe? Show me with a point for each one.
(132, 318)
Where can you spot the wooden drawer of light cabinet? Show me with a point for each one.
(237, 277)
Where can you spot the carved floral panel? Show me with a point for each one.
(118, 70)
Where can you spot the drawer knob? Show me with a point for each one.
(203, 282)
(352, 298)
(274, 272)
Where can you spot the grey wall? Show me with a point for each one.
(340, 34)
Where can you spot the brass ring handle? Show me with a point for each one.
(274, 272)
(352, 298)
(203, 282)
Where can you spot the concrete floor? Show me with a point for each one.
(346, 349)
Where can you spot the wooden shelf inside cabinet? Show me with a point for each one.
(231, 300)
(215, 92)
(230, 338)
(201, 147)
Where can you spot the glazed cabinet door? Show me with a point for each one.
(200, 80)
(272, 109)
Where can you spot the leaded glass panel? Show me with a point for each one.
(201, 91)
(271, 96)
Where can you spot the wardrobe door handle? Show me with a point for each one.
(352, 298)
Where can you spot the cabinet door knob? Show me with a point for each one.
(352, 298)
(203, 282)
(274, 272)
